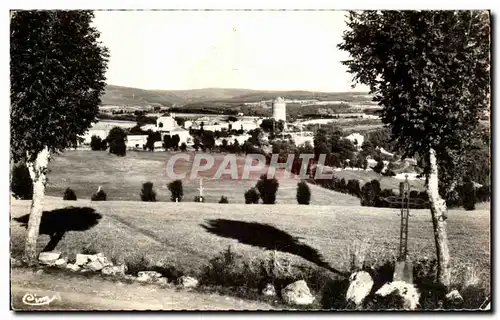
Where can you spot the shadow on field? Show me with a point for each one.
(57, 222)
(268, 237)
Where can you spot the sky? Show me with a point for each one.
(262, 50)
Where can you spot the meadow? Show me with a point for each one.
(186, 236)
(122, 178)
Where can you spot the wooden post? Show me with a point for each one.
(201, 189)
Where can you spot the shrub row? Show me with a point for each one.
(372, 195)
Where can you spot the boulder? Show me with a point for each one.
(93, 266)
(114, 270)
(129, 277)
(297, 293)
(269, 290)
(72, 267)
(48, 258)
(148, 276)
(82, 259)
(361, 284)
(61, 263)
(454, 297)
(103, 260)
(162, 281)
(406, 291)
(188, 282)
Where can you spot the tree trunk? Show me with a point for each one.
(38, 173)
(438, 212)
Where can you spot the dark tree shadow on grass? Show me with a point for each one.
(268, 237)
(57, 222)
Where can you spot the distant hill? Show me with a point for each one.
(126, 96)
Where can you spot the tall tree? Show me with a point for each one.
(57, 75)
(117, 145)
(430, 70)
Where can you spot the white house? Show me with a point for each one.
(136, 141)
(184, 135)
(166, 123)
(356, 137)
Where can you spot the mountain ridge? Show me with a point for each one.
(129, 96)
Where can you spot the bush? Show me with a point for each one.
(353, 187)
(483, 194)
(176, 191)
(100, 195)
(147, 192)
(97, 144)
(469, 195)
(223, 200)
(370, 193)
(116, 139)
(69, 194)
(199, 199)
(251, 196)
(21, 185)
(303, 193)
(152, 138)
(267, 189)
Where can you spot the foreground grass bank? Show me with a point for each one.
(188, 235)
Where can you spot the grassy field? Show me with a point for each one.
(188, 235)
(122, 179)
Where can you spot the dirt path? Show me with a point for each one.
(79, 292)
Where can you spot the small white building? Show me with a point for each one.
(356, 137)
(166, 123)
(184, 135)
(136, 141)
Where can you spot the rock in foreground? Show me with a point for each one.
(361, 284)
(297, 293)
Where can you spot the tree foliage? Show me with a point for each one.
(251, 196)
(116, 138)
(303, 193)
(21, 183)
(69, 194)
(267, 187)
(176, 190)
(431, 72)
(57, 76)
(97, 144)
(151, 139)
(147, 192)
